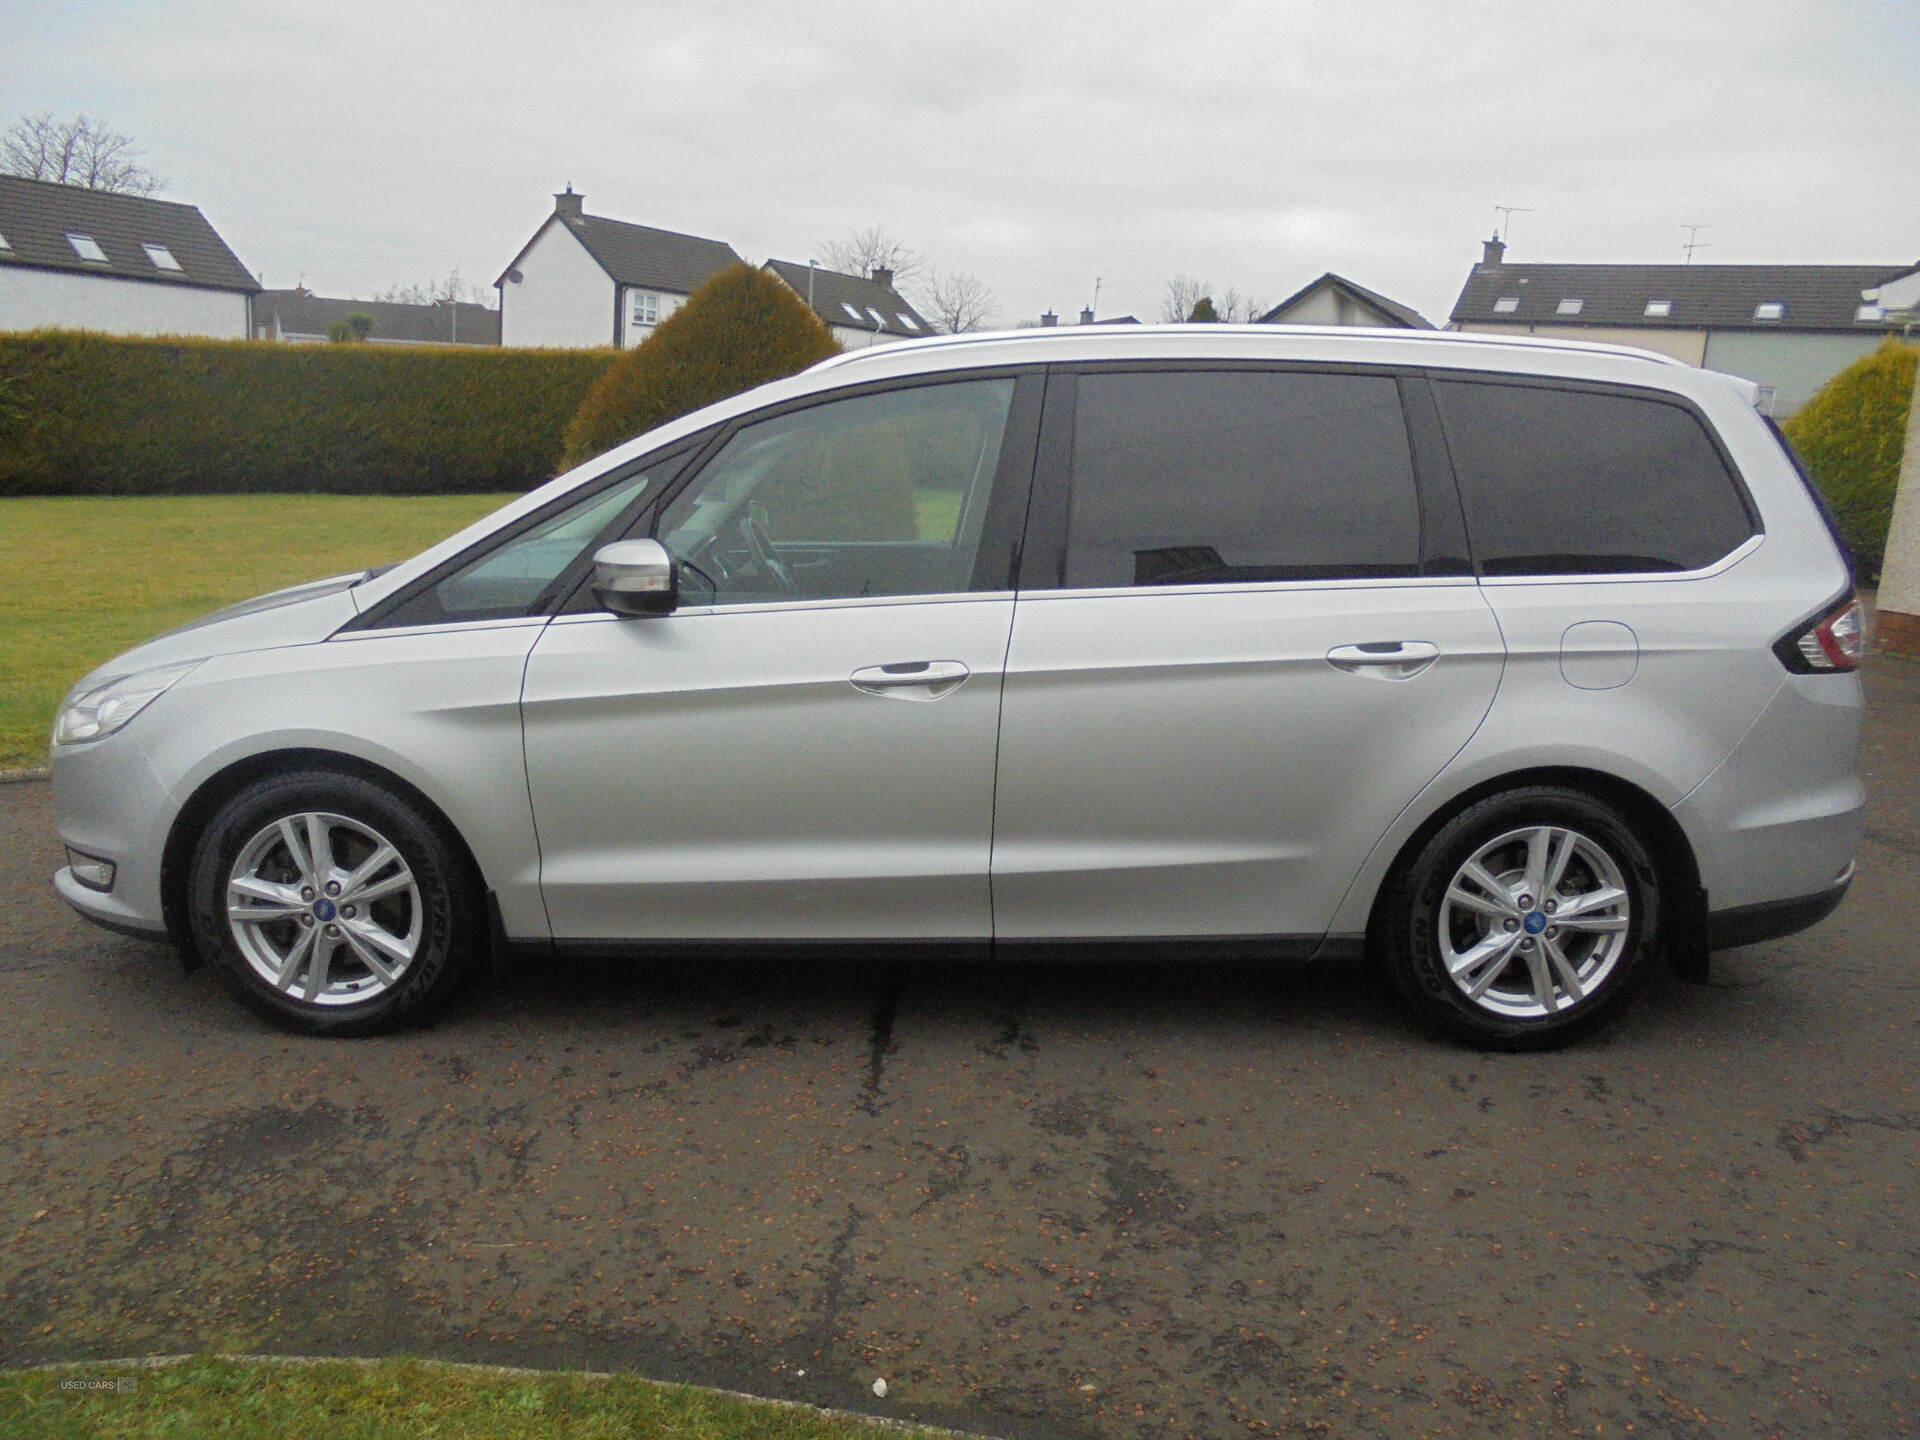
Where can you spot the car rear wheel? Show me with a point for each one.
(1524, 922)
(331, 906)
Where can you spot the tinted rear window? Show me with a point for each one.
(1194, 477)
(1575, 482)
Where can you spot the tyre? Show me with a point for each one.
(331, 906)
(1524, 922)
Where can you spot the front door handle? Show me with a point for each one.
(911, 679)
(1384, 659)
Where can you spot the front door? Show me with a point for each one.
(805, 749)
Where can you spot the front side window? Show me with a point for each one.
(878, 495)
(1196, 477)
(646, 308)
(1575, 482)
(507, 580)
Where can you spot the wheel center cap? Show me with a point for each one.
(1535, 922)
(323, 909)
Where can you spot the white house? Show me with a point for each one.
(859, 311)
(1789, 328)
(1335, 300)
(80, 259)
(301, 317)
(586, 280)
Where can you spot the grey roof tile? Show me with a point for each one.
(1399, 314)
(295, 312)
(36, 216)
(833, 292)
(648, 258)
(1718, 297)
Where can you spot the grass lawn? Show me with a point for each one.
(89, 577)
(389, 1398)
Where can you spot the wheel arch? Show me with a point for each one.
(176, 858)
(1683, 925)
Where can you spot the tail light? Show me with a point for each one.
(1833, 642)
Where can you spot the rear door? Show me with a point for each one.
(1246, 637)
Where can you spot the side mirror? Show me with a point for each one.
(636, 578)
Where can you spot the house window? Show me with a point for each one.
(1506, 305)
(86, 248)
(1870, 314)
(1659, 309)
(853, 313)
(161, 257)
(1770, 310)
(646, 308)
(3, 243)
(1570, 307)
(906, 321)
(878, 319)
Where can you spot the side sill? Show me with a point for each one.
(1090, 950)
(1771, 919)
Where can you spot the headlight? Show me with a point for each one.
(105, 708)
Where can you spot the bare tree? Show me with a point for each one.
(76, 151)
(1183, 293)
(958, 303)
(864, 251)
(439, 290)
(1229, 306)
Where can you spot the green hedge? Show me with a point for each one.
(88, 414)
(1850, 437)
(741, 328)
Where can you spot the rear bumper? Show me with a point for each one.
(1770, 919)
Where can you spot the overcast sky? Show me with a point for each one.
(359, 145)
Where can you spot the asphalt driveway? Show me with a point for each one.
(1039, 1202)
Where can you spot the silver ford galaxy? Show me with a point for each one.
(1518, 663)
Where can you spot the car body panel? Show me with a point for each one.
(1187, 762)
(717, 774)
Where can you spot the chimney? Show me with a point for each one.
(567, 204)
(1049, 319)
(882, 276)
(1086, 317)
(1492, 250)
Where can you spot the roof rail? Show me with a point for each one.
(1062, 334)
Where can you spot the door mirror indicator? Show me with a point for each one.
(636, 578)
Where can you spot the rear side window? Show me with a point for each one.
(1575, 482)
(1198, 477)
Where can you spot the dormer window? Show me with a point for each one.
(1870, 314)
(1659, 309)
(1570, 307)
(1506, 305)
(87, 248)
(1770, 310)
(162, 258)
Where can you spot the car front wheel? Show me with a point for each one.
(331, 906)
(1524, 922)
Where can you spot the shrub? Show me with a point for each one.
(742, 328)
(104, 415)
(1850, 437)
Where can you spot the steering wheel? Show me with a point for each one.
(760, 546)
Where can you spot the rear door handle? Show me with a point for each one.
(911, 679)
(1384, 659)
